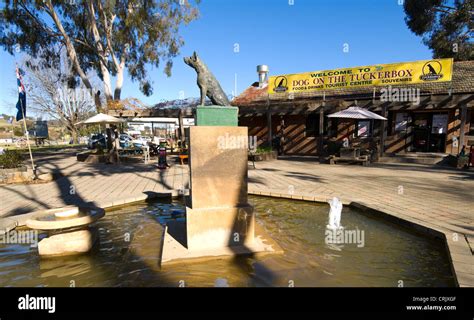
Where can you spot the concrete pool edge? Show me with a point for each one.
(11, 222)
(173, 252)
(459, 251)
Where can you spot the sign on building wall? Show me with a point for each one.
(440, 123)
(424, 71)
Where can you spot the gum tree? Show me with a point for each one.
(109, 36)
(446, 26)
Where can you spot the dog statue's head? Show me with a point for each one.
(193, 61)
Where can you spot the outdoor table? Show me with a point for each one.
(351, 154)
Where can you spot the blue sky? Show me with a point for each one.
(306, 36)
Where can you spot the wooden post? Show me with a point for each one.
(181, 128)
(321, 132)
(463, 114)
(269, 125)
(383, 131)
(116, 143)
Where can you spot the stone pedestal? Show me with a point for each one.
(69, 243)
(69, 231)
(218, 214)
(219, 220)
(219, 227)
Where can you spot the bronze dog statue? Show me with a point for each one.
(207, 82)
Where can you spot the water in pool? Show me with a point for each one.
(126, 255)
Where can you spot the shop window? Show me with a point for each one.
(421, 121)
(439, 123)
(402, 119)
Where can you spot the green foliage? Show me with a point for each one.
(11, 159)
(86, 130)
(444, 25)
(263, 149)
(110, 34)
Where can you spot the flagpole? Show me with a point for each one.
(28, 140)
(27, 134)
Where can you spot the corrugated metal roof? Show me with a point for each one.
(356, 113)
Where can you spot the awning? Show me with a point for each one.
(101, 118)
(356, 113)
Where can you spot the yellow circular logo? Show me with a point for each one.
(431, 71)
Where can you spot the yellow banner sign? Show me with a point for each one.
(424, 71)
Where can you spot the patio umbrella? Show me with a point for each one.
(356, 113)
(101, 118)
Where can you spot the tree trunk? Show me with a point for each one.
(72, 130)
(107, 86)
(119, 83)
(102, 52)
(71, 51)
(74, 134)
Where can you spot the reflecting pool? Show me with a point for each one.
(378, 254)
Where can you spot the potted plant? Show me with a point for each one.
(263, 153)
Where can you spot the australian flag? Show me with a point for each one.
(21, 104)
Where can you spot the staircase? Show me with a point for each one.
(414, 157)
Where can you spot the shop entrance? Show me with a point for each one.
(429, 132)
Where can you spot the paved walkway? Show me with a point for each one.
(445, 198)
(436, 199)
(79, 183)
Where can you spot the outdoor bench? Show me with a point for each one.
(362, 159)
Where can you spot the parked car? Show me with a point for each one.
(125, 140)
(140, 141)
(97, 139)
